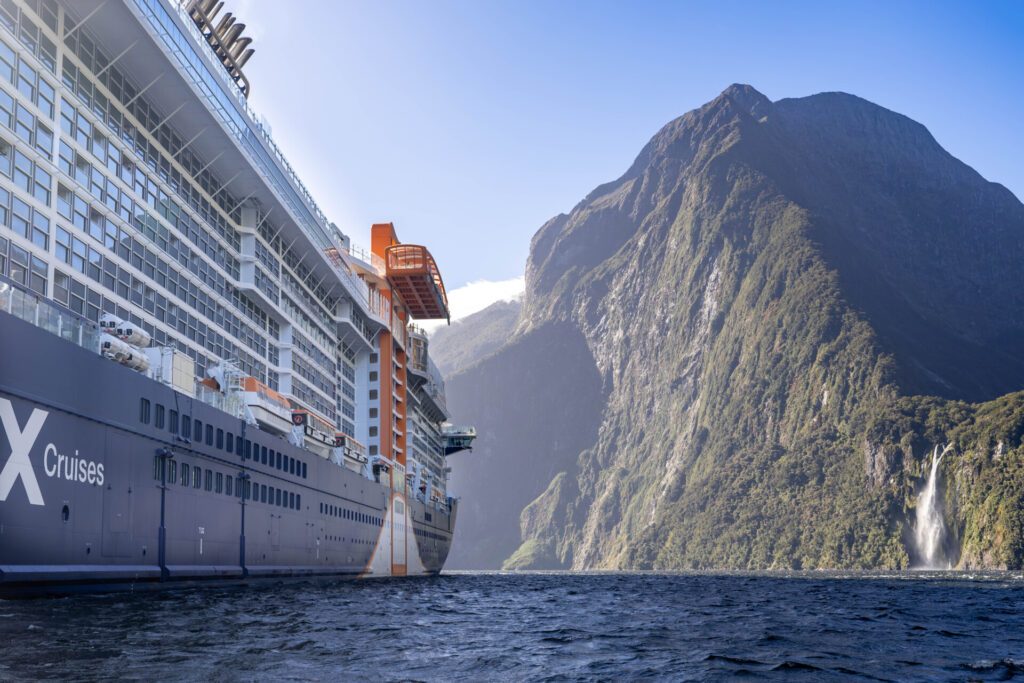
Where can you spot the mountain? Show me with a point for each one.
(474, 337)
(743, 353)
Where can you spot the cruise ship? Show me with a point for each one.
(201, 377)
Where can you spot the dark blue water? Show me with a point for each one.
(533, 627)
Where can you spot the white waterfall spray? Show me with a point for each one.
(930, 531)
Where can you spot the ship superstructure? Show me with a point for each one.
(161, 261)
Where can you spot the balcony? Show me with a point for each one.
(418, 363)
(353, 328)
(44, 313)
(457, 438)
(414, 275)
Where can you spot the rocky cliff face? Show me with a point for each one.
(740, 354)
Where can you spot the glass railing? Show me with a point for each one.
(380, 306)
(457, 430)
(46, 314)
(361, 253)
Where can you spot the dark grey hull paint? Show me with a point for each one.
(86, 533)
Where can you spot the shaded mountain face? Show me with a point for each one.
(759, 307)
(474, 337)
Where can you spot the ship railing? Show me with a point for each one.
(230, 88)
(366, 256)
(457, 430)
(44, 313)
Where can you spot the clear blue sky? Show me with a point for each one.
(470, 123)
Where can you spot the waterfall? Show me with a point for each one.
(930, 531)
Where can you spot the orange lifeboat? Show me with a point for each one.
(271, 410)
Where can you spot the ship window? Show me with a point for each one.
(277, 497)
(263, 454)
(373, 358)
(157, 469)
(220, 438)
(278, 457)
(198, 429)
(209, 435)
(186, 426)
(184, 473)
(321, 508)
(209, 480)
(158, 420)
(197, 477)
(291, 501)
(373, 376)
(373, 413)
(172, 422)
(263, 493)
(248, 449)
(219, 484)
(373, 450)
(287, 460)
(291, 466)
(303, 470)
(270, 495)
(172, 475)
(238, 444)
(373, 394)
(229, 485)
(373, 431)
(144, 411)
(230, 445)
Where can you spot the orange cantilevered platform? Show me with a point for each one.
(414, 275)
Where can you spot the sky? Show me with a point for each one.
(469, 123)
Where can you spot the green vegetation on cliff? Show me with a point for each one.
(787, 306)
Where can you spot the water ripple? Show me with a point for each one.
(543, 626)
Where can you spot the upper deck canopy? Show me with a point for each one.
(414, 275)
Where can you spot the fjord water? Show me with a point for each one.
(533, 626)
